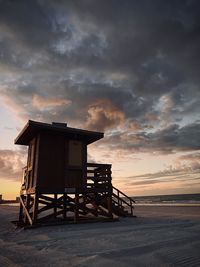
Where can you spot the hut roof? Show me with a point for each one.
(32, 128)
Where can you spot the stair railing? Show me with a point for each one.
(123, 198)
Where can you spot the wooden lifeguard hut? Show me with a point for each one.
(59, 184)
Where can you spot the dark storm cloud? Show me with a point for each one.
(168, 140)
(29, 21)
(105, 65)
(144, 30)
(176, 138)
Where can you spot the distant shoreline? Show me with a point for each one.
(8, 201)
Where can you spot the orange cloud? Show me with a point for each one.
(44, 103)
(103, 115)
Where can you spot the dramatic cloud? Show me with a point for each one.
(168, 140)
(43, 103)
(129, 68)
(11, 164)
(104, 114)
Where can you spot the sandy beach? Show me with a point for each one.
(159, 236)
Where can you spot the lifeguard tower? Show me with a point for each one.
(59, 185)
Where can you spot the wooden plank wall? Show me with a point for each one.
(51, 162)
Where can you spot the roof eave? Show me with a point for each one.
(89, 136)
(17, 139)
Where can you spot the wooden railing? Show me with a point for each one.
(122, 200)
(99, 176)
(99, 180)
(24, 178)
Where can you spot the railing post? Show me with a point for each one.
(118, 198)
(131, 208)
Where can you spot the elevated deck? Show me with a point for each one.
(98, 199)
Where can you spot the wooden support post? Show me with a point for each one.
(55, 206)
(28, 218)
(35, 207)
(76, 208)
(96, 210)
(21, 212)
(109, 201)
(64, 206)
(27, 208)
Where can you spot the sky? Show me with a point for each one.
(130, 69)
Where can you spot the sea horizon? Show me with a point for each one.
(158, 200)
(173, 199)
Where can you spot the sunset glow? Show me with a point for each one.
(129, 69)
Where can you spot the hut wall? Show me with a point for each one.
(50, 170)
(61, 163)
(30, 177)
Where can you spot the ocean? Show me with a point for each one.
(160, 200)
(166, 200)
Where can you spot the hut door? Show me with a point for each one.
(74, 176)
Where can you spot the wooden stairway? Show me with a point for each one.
(99, 183)
(122, 205)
